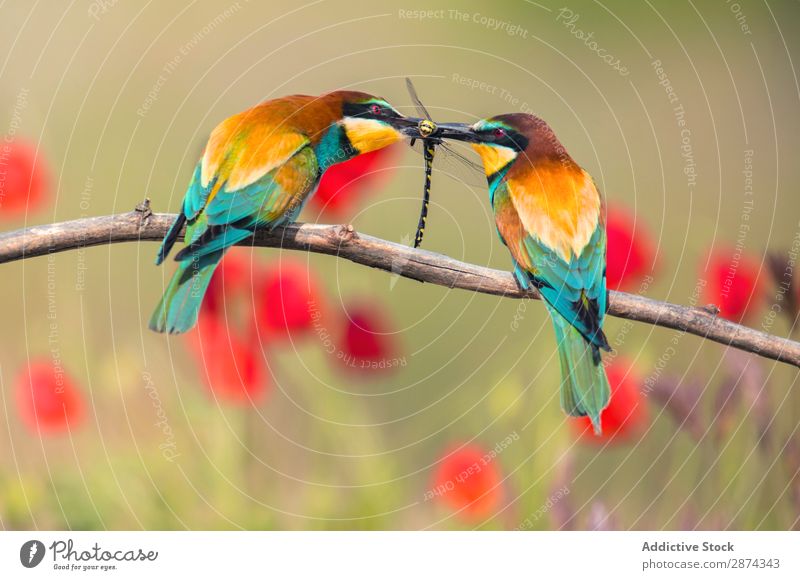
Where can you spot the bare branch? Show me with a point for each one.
(342, 241)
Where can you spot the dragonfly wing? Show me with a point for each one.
(453, 163)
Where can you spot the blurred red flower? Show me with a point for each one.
(47, 398)
(468, 481)
(24, 179)
(734, 284)
(345, 183)
(231, 362)
(626, 416)
(630, 251)
(231, 287)
(224, 344)
(288, 299)
(366, 343)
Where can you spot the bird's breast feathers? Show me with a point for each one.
(558, 205)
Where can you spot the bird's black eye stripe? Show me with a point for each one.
(503, 137)
(368, 110)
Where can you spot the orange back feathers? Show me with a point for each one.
(248, 145)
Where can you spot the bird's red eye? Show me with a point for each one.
(499, 133)
(375, 109)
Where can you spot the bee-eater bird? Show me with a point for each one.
(549, 214)
(258, 169)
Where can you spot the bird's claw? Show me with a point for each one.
(520, 286)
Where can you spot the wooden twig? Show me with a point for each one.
(344, 242)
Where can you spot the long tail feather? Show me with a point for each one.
(177, 312)
(584, 388)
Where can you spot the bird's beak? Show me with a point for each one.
(408, 126)
(456, 131)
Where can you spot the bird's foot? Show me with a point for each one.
(522, 279)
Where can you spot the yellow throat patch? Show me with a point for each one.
(494, 158)
(369, 134)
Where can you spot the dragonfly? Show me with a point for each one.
(430, 142)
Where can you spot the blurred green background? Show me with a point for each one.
(325, 450)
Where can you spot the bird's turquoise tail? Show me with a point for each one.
(177, 312)
(584, 386)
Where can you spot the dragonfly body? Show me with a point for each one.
(429, 133)
(426, 128)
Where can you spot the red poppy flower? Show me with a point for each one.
(734, 284)
(345, 183)
(24, 179)
(288, 299)
(626, 415)
(228, 354)
(47, 398)
(366, 343)
(630, 251)
(468, 480)
(231, 364)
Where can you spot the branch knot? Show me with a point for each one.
(346, 234)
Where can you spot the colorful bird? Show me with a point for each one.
(258, 169)
(549, 214)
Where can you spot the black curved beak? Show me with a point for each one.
(456, 131)
(408, 126)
